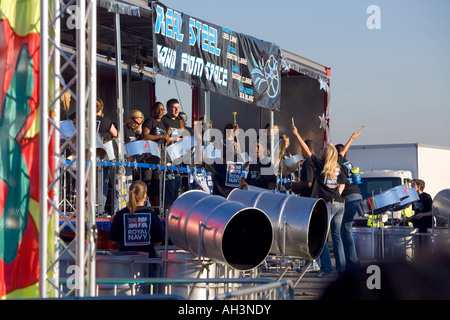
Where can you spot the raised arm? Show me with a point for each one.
(349, 142)
(301, 141)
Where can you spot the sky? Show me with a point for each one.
(393, 80)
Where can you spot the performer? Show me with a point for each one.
(154, 129)
(329, 182)
(171, 120)
(227, 174)
(133, 126)
(136, 227)
(107, 131)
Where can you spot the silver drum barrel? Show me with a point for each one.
(221, 230)
(300, 224)
(113, 265)
(441, 207)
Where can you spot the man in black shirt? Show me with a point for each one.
(171, 120)
(422, 218)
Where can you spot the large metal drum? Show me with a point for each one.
(184, 265)
(112, 265)
(224, 231)
(300, 224)
(367, 243)
(441, 240)
(441, 207)
(397, 243)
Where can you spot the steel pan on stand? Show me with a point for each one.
(291, 164)
(378, 204)
(385, 242)
(100, 148)
(412, 197)
(67, 129)
(111, 149)
(179, 151)
(141, 147)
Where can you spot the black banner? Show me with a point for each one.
(215, 58)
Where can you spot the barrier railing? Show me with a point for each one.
(277, 290)
(251, 289)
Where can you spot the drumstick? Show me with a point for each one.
(361, 129)
(293, 121)
(234, 115)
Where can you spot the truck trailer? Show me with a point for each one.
(387, 165)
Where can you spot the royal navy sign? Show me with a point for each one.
(215, 58)
(137, 229)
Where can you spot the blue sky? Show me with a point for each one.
(394, 80)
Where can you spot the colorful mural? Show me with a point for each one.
(19, 148)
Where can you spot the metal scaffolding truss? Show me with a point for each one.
(54, 61)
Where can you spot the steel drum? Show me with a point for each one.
(300, 225)
(225, 231)
(441, 207)
(412, 197)
(100, 148)
(111, 149)
(401, 192)
(381, 202)
(113, 265)
(67, 129)
(140, 147)
(210, 152)
(291, 164)
(393, 243)
(181, 148)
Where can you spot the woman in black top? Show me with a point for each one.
(154, 129)
(136, 227)
(107, 131)
(65, 105)
(328, 185)
(132, 129)
(105, 127)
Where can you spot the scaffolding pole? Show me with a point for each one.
(52, 88)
